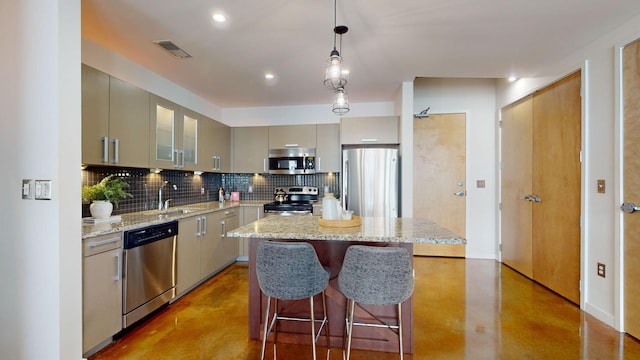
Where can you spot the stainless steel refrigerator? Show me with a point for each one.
(371, 181)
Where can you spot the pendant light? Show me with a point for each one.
(340, 102)
(334, 76)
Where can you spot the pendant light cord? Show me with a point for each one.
(335, 22)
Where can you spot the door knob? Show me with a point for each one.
(629, 207)
(459, 193)
(533, 198)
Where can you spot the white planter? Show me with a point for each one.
(100, 209)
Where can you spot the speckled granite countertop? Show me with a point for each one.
(151, 217)
(373, 229)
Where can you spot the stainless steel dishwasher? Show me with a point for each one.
(149, 270)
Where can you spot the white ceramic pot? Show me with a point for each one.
(100, 209)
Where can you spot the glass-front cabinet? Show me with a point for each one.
(174, 136)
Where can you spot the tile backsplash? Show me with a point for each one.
(192, 189)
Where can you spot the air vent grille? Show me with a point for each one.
(172, 49)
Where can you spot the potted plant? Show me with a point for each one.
(104, 195)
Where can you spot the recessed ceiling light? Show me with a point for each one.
(512, 78)
(217, 17)
(268, 76)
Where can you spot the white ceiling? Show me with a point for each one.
(388, 42)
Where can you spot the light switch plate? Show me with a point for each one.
(27, 189)
(601, 186)
(43, 189)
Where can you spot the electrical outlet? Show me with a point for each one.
(601, 270)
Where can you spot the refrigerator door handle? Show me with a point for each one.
(345, 181)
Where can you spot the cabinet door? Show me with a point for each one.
(292, 136)
(215, 146)
(128, 124)
(163, 126)
(190, 124)
(101, 297)
(95, 116)
(370, 130)
(227, 250)
(328, 154)
(250, 149)
(249, 214)
(209, 243)
(188, 254)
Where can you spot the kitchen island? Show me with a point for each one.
(330, 244)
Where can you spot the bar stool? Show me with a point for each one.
(291, 271)
(375, 276)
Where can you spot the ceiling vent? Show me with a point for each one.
(172, 49)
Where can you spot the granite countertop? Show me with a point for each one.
(372, 229)
(145, 218)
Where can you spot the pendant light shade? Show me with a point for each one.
(340, 102)
(334, 77)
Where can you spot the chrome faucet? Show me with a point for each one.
(164, 205)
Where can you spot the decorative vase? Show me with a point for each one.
(100, 209)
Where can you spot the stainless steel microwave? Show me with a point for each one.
(292, 161)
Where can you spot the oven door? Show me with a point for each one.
(287, 213)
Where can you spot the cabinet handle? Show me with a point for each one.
(175, 158)
(116, 151)
(291, 145)
(104, 242)
(219, 165)
(105, 149)
(224, 229)
(204, 227)
(181, 159)
(369, 140)
(264, 165)
(118, 276)
(199, 222)
(319, 161)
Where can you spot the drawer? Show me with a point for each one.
(99, 244)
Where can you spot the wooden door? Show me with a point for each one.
(556, 181)
(439, 162)
(517, 184)
(631, 188)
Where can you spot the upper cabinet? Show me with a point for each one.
(174, 135)
(292, 136)
(115, 127)
(328, 154)
(250, 149)
(214, 147)
(370, 130)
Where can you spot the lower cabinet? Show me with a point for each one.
(248, 215)
(226, 251)
(101, 289)
(203, 248)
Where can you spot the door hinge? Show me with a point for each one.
(500, 206)
(580, 156)
(500, 247)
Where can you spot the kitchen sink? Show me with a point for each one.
(172, 212)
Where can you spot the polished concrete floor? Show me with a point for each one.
(464, 309)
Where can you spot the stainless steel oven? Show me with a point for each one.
(149, 270)
(292, 201)
(292, 161)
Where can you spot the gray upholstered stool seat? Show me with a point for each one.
(291, 271)
(376, 276)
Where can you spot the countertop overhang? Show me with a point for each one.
(372, 229)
